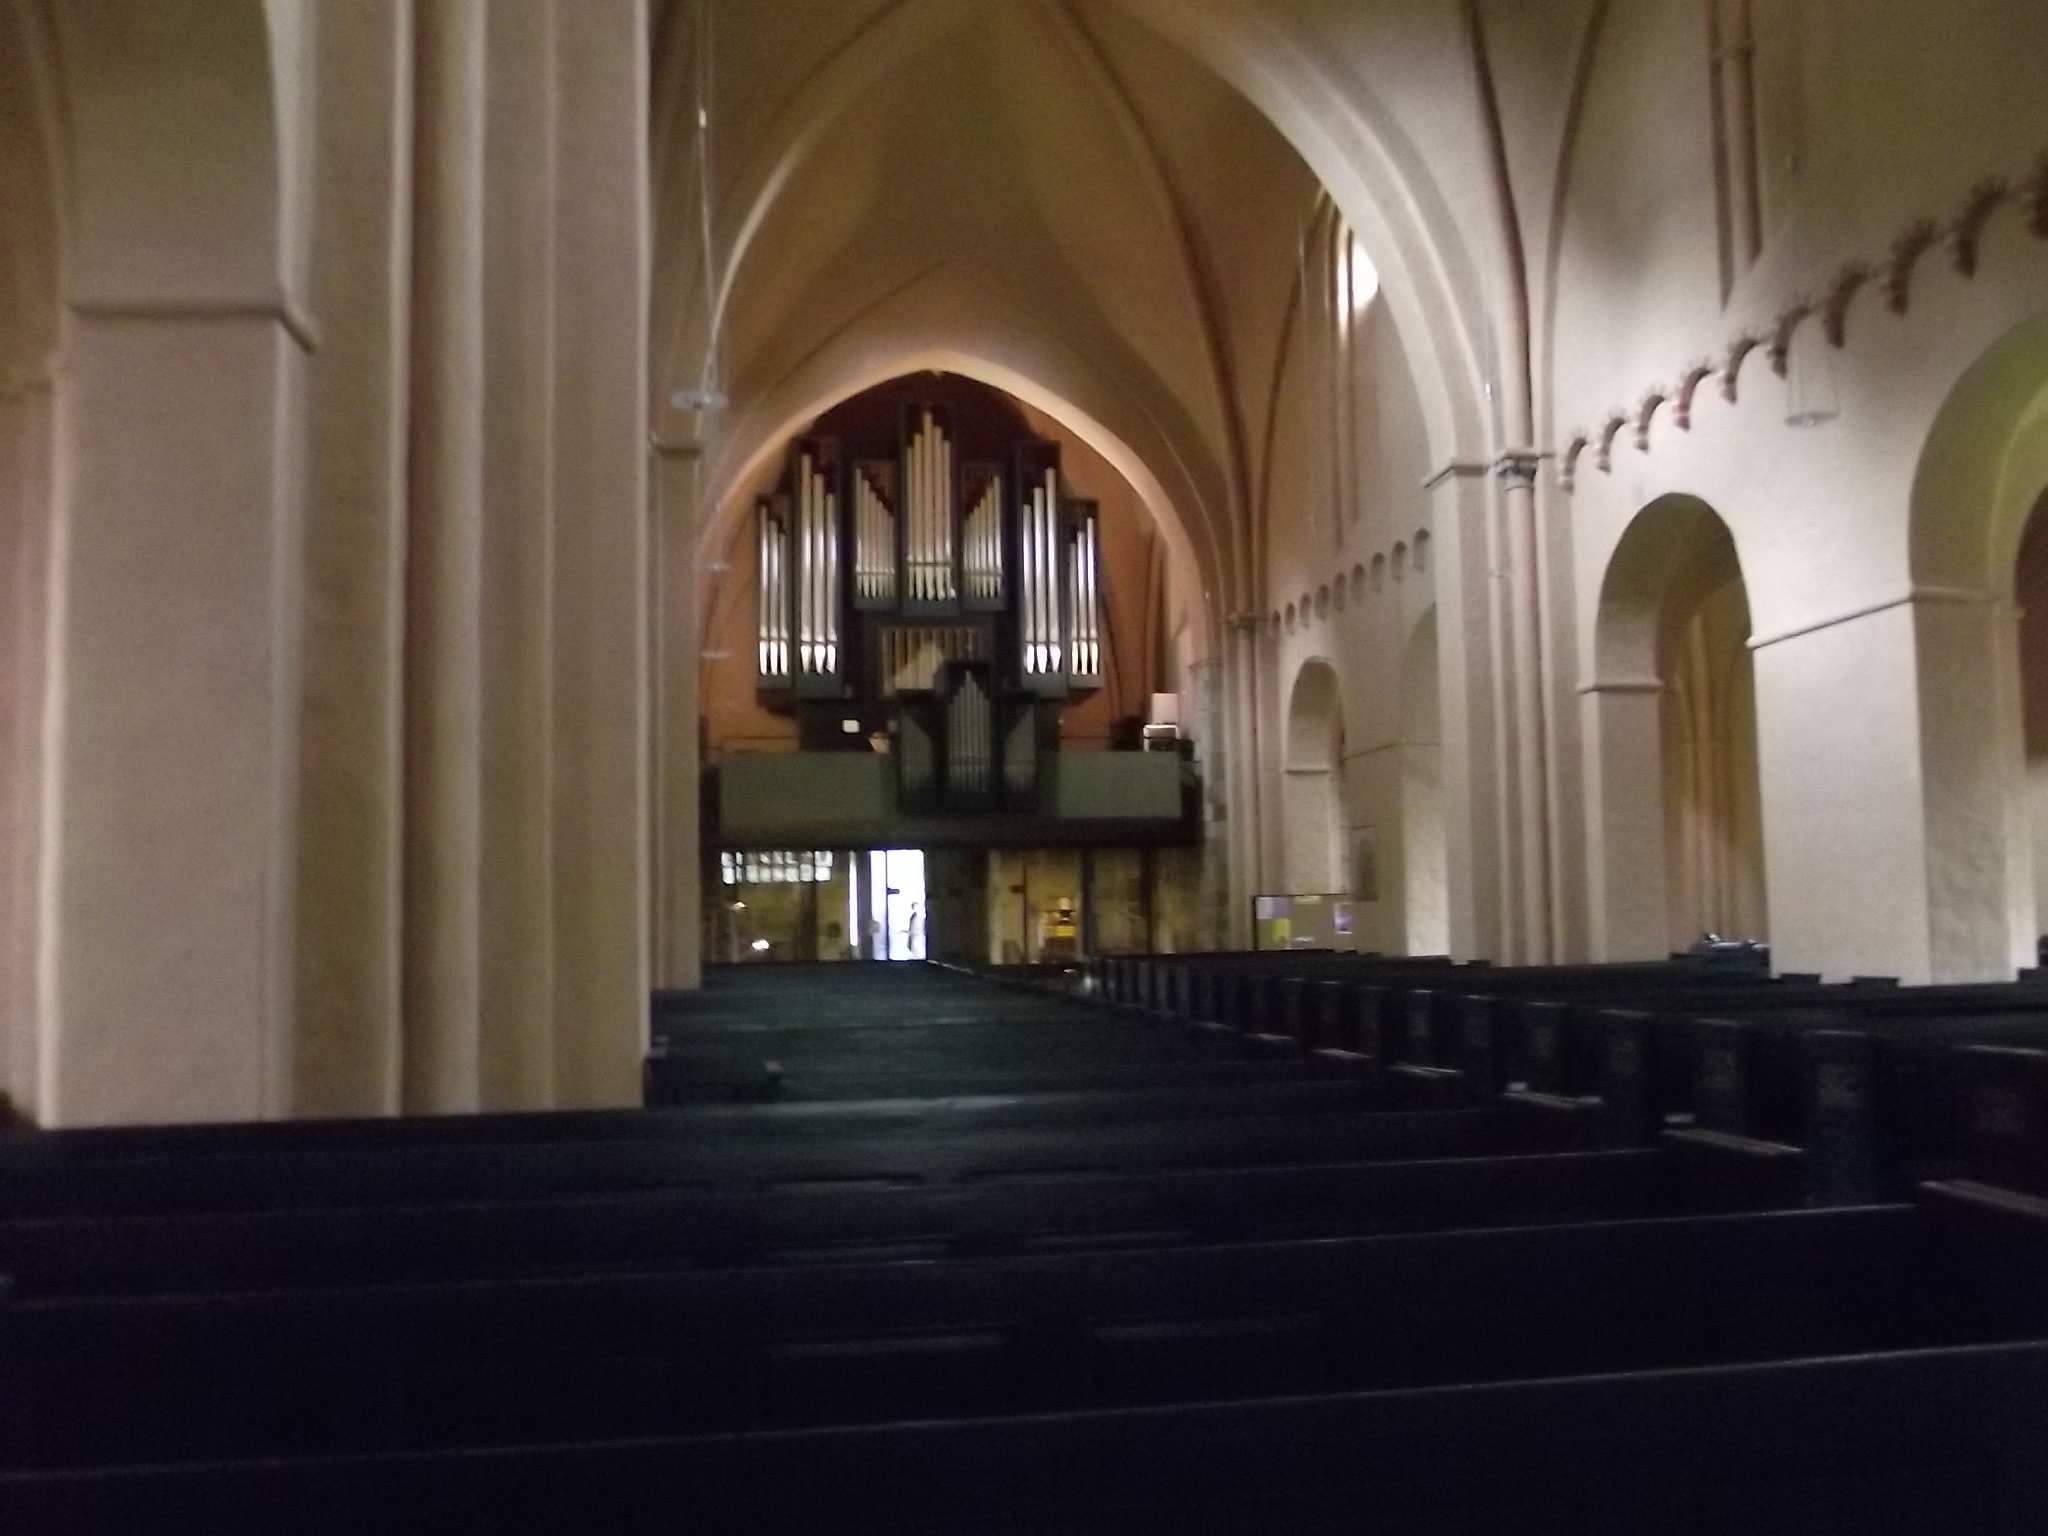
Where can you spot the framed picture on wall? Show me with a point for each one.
(1365, 863)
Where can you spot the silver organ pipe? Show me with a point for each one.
(1041, 576)
(772, 629)
(1041, 640)
(807, 564)
(1027, 576)
(981, 547)
(968, 738)
(913, 526)
(874, 540)
(948, 522)
(929, 513)
(1083, 589)
(913, 519)
(832, 581)
(817, 569)
(1091, 594)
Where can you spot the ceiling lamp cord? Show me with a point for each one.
(709, 395)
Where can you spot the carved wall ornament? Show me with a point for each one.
(1731, 370)
(1645, 414)
(1893, 276)
(1966, 234)
(1789, 319)
(1834, 314)
(1609, 429)
(1919, 238)
(1568, 466)
(1697, 372)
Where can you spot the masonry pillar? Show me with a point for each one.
(1881, 753)
(1243, 769)
(601, 562)
(516, 929)
(351, 776)
(1474, 875)
(168, 864)
(26, 420)
(1622, 725)
(444, 604)
(678, 837)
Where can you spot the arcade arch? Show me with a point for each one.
(1977, 571)
(1676, 803)
(1312, 803)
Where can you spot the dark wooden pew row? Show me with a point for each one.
(815, 1069)
(1561, 1039)
(1904, 1443)
(297, 1177)
(1553, 1040)
(812, 1059)
(673, 1229)
(141, 1380)
(674, 1083)
(1142, 1100)
(1861, 1082)
(2003, 1117)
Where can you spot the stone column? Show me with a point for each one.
(443, 662)
(1622, 723)
(600, 629)
(1979, 862)
(1515, 474)
(1203, 709)
(516, 938)
(351, 781)
(678, 837)
(168, 859)
(26, 423)
(1468, 723)
(1883, 760)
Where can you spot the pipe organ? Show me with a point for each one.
(948, 593)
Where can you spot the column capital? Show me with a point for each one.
(1516, 468)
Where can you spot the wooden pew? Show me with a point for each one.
(189, 1378)
(664, 1229)
(1943, 1443)
(1142, 1100)
(292, 1176)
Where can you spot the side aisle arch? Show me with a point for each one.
(1674, 804)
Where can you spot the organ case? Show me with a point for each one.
(956, 597)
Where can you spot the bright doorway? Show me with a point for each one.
(896, 904)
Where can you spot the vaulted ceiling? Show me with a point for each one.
(1041, 192)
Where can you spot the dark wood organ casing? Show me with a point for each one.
(955, 600)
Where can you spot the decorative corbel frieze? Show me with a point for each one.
(1834, 309)
(1646, 412)
(1604, 455)
(1966, 232)
(2036, 196)
(1731, 367)
(1918, 238)
(1788, 322)
(1568, 466)
(1696, 373)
